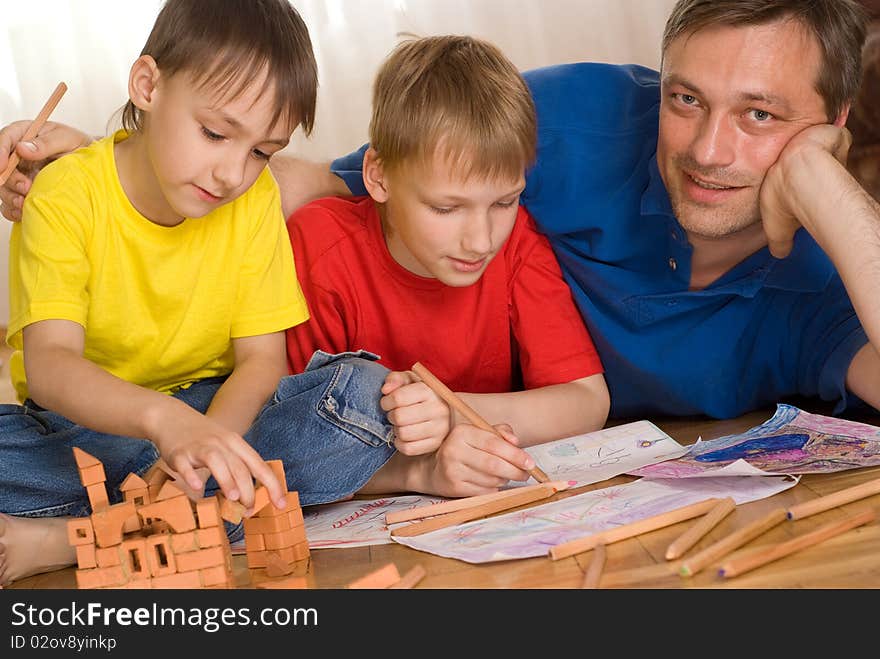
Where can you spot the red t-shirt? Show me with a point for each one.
(519, 317)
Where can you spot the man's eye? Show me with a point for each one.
(761, 115)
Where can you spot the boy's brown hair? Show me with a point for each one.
(839, 26)
(457, 94)
(226, 44)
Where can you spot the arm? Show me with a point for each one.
(54, 140)
(809, 186)
(302, 181)
(259, 366)
(61, 379)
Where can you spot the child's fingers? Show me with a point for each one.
(220, 471)
(508, 434)
(396, 379)
(185, 470)
(264, 474)
(501, 458)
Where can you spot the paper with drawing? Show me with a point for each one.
(587, 458)
(531, 532)
(790, 442)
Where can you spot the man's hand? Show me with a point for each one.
(785, 202)
(53, 141)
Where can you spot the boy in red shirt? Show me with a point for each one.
(441, 265)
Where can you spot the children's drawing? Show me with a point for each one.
(599, 455)
(790, 442)
(531, 532)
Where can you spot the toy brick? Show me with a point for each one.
(84, 459)
(286, 538)
(160, 557)
(381, 578)
(133, 523)
(231, 511)
(261, 499)
(266, 524)
(277, 566)
(132, 483)
(288, 583)
(183, 542)
(178, 580)
(203, 558)
(295, 553)
(169, 491)
(80, 532)
(295, 518)
(107, 556)
(92, 475)
(137, 584)
(102, 577)
(210, 537)
(215, 576)
(278, 469)
(98, 496)
(256, 559)
(254, 542)
(177, 512)
(272, 511)
(85, 556)
(208, 511)
(108, 523)
(410, 579)
(134, 558)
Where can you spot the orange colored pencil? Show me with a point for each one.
(594, 572)
(738, 566)
(701, 527)
(465, 410)
(34, 129)
(839, 498)
(632, 529)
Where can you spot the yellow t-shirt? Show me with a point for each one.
(160, 305)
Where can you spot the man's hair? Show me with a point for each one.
(227, 44)
(458, 94)
(838, 25)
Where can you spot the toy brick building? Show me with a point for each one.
(157, 537)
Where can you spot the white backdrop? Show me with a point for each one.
(90, 45)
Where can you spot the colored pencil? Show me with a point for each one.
(410, 579)
(738, 566)
(466, 410)
(821, 504)
(727, 544)
(632, 529)
(34, 129)
(701, 527)
(452, 505)
(541, 491)
(594, 572)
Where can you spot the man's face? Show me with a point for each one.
(731, 99)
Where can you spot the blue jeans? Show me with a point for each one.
(325, 425)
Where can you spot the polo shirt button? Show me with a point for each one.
(672, 264)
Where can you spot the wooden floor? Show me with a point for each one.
(850, 561)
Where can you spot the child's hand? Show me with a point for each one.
(189, 440)
(473, 461)
(421, 419)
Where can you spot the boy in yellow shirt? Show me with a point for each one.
(153, 279)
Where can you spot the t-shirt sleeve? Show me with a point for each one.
(48, 254)
(350, 169)
(326, 328)
(553, 342)
(269, 296)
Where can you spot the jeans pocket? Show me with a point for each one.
(351, 400)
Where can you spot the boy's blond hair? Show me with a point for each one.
(457, 94)
(226, 44)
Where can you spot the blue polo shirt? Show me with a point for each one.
(769, 329)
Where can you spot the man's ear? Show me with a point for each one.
(374, 176)
(142, 81)
(843, 115)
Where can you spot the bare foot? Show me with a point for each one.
(30, 545)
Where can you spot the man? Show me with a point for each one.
(698, 214)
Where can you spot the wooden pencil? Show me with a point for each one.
(466, 410)
(821, 504)
(727, 544)
(701, 527)
(632, 529)
(541, 491)
(34, 129)
(452, 505)
(594, 572)
(410, 579)
(738, 566)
